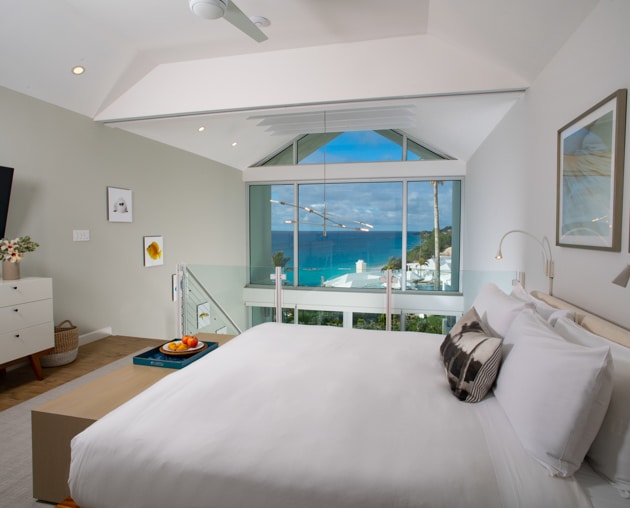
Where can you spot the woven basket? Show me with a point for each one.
(66, 345)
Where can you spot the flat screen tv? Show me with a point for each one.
(6, 181)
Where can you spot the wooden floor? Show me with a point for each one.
(20, 384)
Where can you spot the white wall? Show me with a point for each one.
(512, 178)
(63, 165)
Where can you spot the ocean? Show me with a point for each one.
(326, 257)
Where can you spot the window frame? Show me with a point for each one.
(405, 181)
(293, 147)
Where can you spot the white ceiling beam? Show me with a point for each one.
(326, 74)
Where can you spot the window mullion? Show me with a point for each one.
(295, 236)
(403, 267)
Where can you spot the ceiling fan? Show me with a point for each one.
(215, 9)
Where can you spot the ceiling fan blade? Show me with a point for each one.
(238, 18)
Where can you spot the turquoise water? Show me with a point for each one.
(327, 257)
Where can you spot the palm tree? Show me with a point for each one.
(436, 233)
(393, 263)
(278, 259)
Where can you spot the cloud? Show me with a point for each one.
(377, 203)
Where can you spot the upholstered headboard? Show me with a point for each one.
(590, 322)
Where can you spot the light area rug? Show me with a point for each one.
(16, 477)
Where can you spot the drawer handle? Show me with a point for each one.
(15, 287)
(17, 335)
(16, 310)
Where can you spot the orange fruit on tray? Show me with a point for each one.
(173, 346)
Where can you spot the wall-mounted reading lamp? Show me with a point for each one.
(623, 278)
(546, 250)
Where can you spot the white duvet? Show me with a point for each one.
(290, 416)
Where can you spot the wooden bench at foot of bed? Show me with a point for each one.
(55, 423)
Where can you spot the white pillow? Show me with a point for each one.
(530, 325)
(549, 313)
(497, 309)
(609, 454)
(554, 393)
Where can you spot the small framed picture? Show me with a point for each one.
(153, 250)
(203, 315)
(119, 205)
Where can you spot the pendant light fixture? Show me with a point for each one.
(328, 219)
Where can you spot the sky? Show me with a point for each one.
(377, 203)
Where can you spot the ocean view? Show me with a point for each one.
(327, 257)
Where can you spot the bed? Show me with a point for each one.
(306, 416)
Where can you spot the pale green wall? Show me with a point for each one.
(63, 164)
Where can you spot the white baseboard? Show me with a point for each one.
(86, 338)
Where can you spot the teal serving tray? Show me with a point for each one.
(155, 358)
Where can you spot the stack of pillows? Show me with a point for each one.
(554, 380)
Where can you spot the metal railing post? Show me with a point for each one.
(179, 297)
(278, 276)
(388, 301)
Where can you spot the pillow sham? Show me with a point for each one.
(530, 325)
(497, 309)
(471, 358)
(554, 393)
(609, 454)
(549, 313)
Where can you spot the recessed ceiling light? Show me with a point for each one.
(234, 143)
(77, 70)
(201, 129)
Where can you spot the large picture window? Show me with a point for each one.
(319, 234)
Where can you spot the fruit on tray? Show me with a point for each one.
(190, 340)
(177, 347)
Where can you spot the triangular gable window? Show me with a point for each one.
(352, 146)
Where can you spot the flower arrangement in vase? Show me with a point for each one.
(12, 252)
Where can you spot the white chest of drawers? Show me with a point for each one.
(26, 321)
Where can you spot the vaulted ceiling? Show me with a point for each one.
(445, 71)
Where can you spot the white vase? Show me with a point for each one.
(10, 271)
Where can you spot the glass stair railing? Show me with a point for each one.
(199, 310)
(223, 300)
